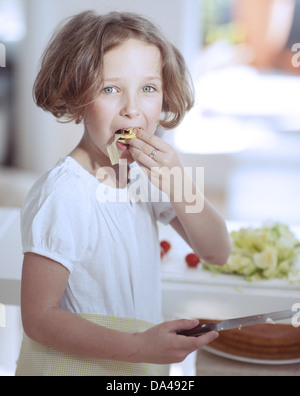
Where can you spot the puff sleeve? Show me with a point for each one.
(54, 221)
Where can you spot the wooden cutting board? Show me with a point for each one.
(265, 342)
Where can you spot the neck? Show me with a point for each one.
(97, 164)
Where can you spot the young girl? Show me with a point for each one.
(91, 272)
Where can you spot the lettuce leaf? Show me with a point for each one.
(268, 252)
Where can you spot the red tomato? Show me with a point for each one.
(165, 245)
(192, 260)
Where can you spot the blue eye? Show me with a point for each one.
(148, 89)
(109, 90)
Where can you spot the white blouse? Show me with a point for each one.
(107, 241)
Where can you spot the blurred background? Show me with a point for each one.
(245, 128)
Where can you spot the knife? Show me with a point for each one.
(238, 323)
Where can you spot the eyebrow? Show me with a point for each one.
(149, 78)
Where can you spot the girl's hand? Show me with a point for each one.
(162, 345)
(158, 159)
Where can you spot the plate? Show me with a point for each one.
(249, 360)
(260, 344)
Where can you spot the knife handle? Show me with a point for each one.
(200, 330)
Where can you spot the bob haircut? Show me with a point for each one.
(71, 73)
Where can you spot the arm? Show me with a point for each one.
(43, 285)
(205, 232)
(199, 224)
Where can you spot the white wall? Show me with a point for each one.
(40, 139)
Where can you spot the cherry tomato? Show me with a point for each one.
(192, 260)
(165, 245)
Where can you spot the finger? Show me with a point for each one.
(191, 344)
(142, 158)
(141, 145)
(182, 324)
(206, 339)
(152, 140)
(146, 148)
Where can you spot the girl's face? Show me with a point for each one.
(131, 97)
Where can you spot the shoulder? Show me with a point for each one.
(65, 179)
(56, 216)
(65, 187)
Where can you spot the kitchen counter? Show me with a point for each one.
(11, 256)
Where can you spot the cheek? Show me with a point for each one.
(94, 122)
(94, 114)
(155, 109)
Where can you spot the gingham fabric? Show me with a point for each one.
(38, 360)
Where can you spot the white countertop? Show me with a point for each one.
(11, 257)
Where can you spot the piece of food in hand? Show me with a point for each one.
(192, 260)
(126, 134)
(121, 136)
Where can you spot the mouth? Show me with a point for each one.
(120, 142)
(125, 135)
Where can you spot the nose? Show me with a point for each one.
(130, 108)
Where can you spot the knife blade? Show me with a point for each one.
(238, 323)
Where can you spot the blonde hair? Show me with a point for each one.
(72, 65)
